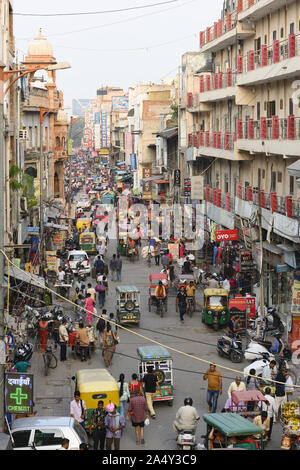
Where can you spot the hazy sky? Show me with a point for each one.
(103, 53)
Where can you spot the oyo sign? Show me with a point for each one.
(226, 235)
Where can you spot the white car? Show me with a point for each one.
(46, 433)
(77, 256)
(84, 204)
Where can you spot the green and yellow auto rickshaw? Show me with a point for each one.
(128, 304)
(215, 312)
(87, 243)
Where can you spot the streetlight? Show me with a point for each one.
(4, 77)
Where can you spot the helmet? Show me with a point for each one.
(188, 401)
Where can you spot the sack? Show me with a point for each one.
(100, 288)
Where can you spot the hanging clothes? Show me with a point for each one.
(215, 254)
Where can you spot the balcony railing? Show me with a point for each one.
(270, 129)
(284, 205)
(219, 28)
(269, 55)
(215, 139)
(217, 81)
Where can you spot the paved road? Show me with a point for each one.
(53, 393)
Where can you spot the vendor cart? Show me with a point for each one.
(290, 421)
(238, 403)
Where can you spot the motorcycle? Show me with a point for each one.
(80, 271)
(273, 321)
(186, 440)
(69, 279)
(231, 348)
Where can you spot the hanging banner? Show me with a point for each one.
(226, 235)
(296, 298)
(70, 149)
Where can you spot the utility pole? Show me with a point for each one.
(261, 280)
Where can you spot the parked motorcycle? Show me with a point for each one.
(231, 348)
(273, 321)
(23, 352)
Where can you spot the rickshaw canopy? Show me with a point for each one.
(232, 424)
(127, 289)
(95, 380)
(157, 277)
(153, 352)
(213, 292)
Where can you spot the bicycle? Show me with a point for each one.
(191, 306)
(161, 306)
(149, 256)
(50, 360)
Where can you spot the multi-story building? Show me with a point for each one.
(242, 116)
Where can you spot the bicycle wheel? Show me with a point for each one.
(46, 364)
(52, 361)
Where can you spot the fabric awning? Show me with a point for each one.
(24, 277)
(294, 169)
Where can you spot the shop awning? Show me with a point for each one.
(294, 169)
(20, 275)
(272, 248)
(56, 226)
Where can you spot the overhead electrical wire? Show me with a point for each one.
(85, 13)
(135, 333)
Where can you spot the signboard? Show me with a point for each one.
(18, 393)
(147, 185)
(58, 239)
(297, 274)
(197, 188)
(133, 163)
(51, 259)
(120, 103)
(174, 250)
(226, 235)
(282, 268)
(296, 298)
(177, 177)
(70, 149)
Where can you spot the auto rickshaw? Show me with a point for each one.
(87, 242)
(95, 385)
(122, 245)
(154, 281)
(128, 304)
(224, 429)
(160, 359)
(83, 222)
(215, 311)
(108, 198)
(93, 196)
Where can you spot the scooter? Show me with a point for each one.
(23, 352)
(273, 321)
(231, 348)
(256, 351)
(186, 440)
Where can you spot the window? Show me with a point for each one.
(279, 177)
(21, 438)
(282, 33)
(273, 181)
(274, 35)
(47, 437)
(259, 177)
(292, 184)
(263, 174)
(257, 44)
(258, 110)
(266, 39)
(271, 109)
(292, 28)
(291, 106)
(281, 104)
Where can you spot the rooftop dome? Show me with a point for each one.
(61, 116)
(40, 46)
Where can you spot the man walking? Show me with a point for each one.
(98, 421)
(63, 340)
(119, 265)
(78, 409)
(138, 410)
(150, 385)
(113, 267)
(99, 265)
(214, 387)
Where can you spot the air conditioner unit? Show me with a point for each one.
(23, 134)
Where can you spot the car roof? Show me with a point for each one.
(45, 421)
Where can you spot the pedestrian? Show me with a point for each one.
(97, 425)
(75, 295)
(89, 308)
(280, 394)
(22, 367)
(63, 340)
(113, 267)
(263, 422)
(101, 290)
(43, 334)
(119, 265)
(114, 423)
(135, 385)
(289, 385)
(55, 329)
(214, 387)
(80, 302)
(151, 384)
(84, 342)
(139, 413)
(181, 303)
(236, 386)
(270, 408)
(251, 384)
(99, 265)
(157, 253)
(91, 290)
(100, 326)
(124, 394)
(65, 443)
(165, 260)
(109, 345)
(101, 249)
(78, 409)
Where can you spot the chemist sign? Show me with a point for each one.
(18, 393)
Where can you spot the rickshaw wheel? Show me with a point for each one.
(215, 326)
(170, 402)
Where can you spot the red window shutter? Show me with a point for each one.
(227, 202)
(240, 6)
(220, 80)
(207, 193)
(263, 128)
(291, 127)
(218, 140)
(195, 141)
(190, 99)
(214, 196)
(200, 139)
(229, 77)
(215, 81)
(240, 63)
(249, 193)
(215, 29)
(207, 139)
(202, 38)
(229, 21)
(220, 27)
(289, 206)
(264, 55)
(275, 51)
(214, 140)
(226, 141)
(190, 140)
(207, 34)
(201, 84)
(239, 129)
(275, 127)
(250, 129)
(273, 199)
(207, 82)
(292, 45)
(219, 197)
(250, 60)
(239, 190)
